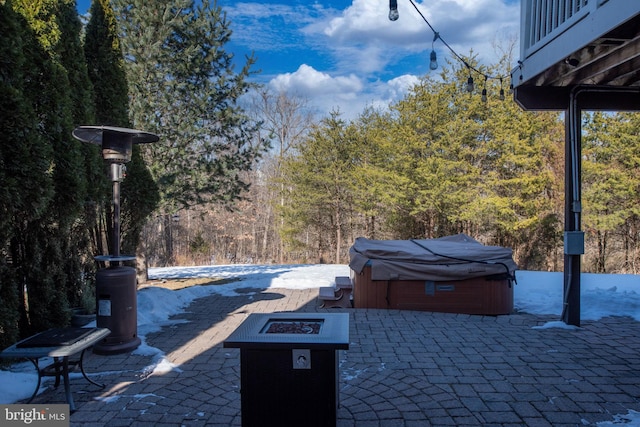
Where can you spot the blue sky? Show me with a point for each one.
(345, 54)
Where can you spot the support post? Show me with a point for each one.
(573, 236)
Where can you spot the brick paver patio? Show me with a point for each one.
(403, 368)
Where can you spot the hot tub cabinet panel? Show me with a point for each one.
(479, 295)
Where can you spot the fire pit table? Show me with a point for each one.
(289, 367)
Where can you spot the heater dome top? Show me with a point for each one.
(96, 134)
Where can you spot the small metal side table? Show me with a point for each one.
(289, 374)
(59, 344)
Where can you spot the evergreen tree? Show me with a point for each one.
(629, 155)
(105, 66)
(436, 131)
(106, 70)
(45, 253)
(77, 245)
(182, 87)
(610, 179)
(320, 188)
(378, 193)
(523, 176)
(26, 184)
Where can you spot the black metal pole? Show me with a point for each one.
(115, 177)
(573, 211)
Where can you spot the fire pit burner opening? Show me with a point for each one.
(294, 326)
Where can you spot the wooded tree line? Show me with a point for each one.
(440, 161)
(158, 66)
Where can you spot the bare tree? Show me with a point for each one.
(287, 119)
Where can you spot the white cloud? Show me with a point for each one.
(347, 94)
(326, 92)
(399, 86)
(363, 21)
(308, 81)
(382, 94)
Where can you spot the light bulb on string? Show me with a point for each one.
(433, 61)
(470, 79)
(393, 10)
(484, 90)
(470, 84)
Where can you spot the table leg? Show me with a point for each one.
(67, 386)
(84, 374)
(56, 367)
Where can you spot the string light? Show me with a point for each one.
(433, 63)
(470, 84)
(393, 10)
(484, 90)
(470, 79)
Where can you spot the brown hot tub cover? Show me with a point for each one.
(456, 257)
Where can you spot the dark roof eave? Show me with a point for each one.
(596, 98)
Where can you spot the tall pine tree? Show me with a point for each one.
(183, 87)
(26, 183)
(105, 62)
(48, 253)
(610, 182)
(320, 189)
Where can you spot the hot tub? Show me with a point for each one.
(453, 274)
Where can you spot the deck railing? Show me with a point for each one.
(543, 20)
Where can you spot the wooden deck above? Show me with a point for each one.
(571, 43)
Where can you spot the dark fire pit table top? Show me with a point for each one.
(261, 330)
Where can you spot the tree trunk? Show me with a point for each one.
(338, 235)
(142, 267)
(602, 249)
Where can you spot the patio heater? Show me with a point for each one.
(116, 299)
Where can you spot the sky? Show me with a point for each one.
(538, 293)
(346, 55)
